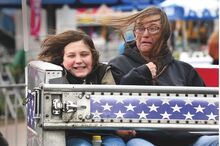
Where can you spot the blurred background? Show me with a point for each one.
(25, 23)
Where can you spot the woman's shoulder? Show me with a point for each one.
(182, 64)
(181, 68)
(118, 58)
(121, 61)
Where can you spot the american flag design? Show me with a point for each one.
(150, 107)
(30, 111)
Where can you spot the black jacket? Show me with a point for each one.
(130, 69)
(95, 77)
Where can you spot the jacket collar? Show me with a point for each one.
(89, 79)
(132, 52)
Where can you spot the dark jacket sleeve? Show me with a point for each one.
(137, 76)
(194, 79)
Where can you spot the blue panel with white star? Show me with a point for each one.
(148, 107)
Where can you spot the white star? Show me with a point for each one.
(188, 116)
(96, 114)
(165, 101)
(188, 101)
(119, 114)
(176, 108)
(33, 112)
(32, 103)
(165, 115)
(107, 107)
(143, 100)
(130, 107)
(199, 109)
(153, 108)
(32, 121)
(142, 115)
(96, 99)
(211, 102)
(211, 116)
(30, 110)
(120, 100)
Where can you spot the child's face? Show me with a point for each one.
(77, 59)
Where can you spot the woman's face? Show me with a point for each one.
(77, 59)
(147, 32)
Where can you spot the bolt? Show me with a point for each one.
(87, 96)
(80, 96)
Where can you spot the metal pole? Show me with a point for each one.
(16, 122)
(25, 24)
(13, 86)
(6, 120)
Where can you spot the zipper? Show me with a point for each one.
(154, 80)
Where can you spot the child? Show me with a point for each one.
(76, 53)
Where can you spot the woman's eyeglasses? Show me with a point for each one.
(153, 29)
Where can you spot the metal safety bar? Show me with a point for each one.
(132, 89)
(54, 102)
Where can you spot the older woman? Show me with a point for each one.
(147, 60)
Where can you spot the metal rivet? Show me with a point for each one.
(80, 96)
(80, 117)
(88, 96)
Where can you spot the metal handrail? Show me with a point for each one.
(13, 86)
